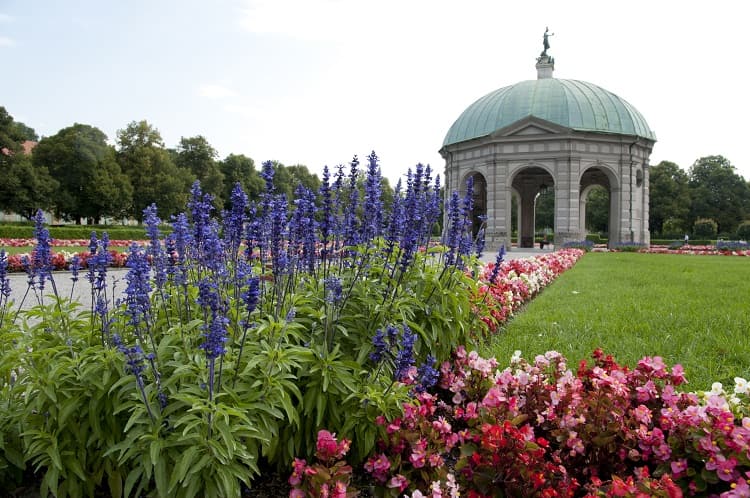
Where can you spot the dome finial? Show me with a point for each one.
(544, 63)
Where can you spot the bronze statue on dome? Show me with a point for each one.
(545, 42)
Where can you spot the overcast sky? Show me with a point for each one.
(314, 82)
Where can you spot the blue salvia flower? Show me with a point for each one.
(350, 229)
(466, 238)
(267, 173)
(326, 213)
(134, 359)
(303, 228)
(208, 295)
(212, 254)
(75, 267)
(333, 290)
(42, 255)
(479, 243)
(98, 262)
(396, 221)
(405, 355)
(393, 334)
(372, 210)
(215, 337)
(138, 302)
(454, 229)
(200, 206)
(254, 236)
(155, 250)
(5, 289)
(251, 294)
(496, 270)
(427, 374)
(278, 234)
(381, 348)
(234, 222)
(181, 240)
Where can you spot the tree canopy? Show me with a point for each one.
(153, 175)
(718, 193)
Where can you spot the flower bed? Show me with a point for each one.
(506, 285)
(538, 428)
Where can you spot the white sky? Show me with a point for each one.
(316, 81)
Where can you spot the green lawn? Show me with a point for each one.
(693, 310)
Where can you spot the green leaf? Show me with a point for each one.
(183, 466)
(114, 480)
(161, 477)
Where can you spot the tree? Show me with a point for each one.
(718, 193)
(197, 156)
(25, 188)
(152, 173)
(286, 178)
(240, 168)
(669, 196)
(90, 183)
(13, 133)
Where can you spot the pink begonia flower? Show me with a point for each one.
(725, 468)
(298, 469)
(339, 490)
(398, 481)
(441, 425)
(642, 414)
(678, 467)
(494, 398)
(324, 491)
(327, 445)
(435, 460)
(296, 493)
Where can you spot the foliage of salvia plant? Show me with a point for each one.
(237, 336)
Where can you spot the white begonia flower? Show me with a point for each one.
(717, 389)
(516, 357)
(741, 386)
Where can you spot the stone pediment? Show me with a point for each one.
(530, 126)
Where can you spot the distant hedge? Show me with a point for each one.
(76, 232)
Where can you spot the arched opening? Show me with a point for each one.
(596, 212)
(534, 188)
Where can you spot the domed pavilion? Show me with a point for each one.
(556, 137)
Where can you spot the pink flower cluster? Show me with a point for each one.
(60, 243)
(695, 250)
(329, 477)
(517, 281)
(539, 429)
(62, 260)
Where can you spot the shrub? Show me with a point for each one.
(705, 228)
(673, 228)
(743, 231)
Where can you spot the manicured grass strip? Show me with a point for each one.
(692, 310)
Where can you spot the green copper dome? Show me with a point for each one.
(573, 104)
